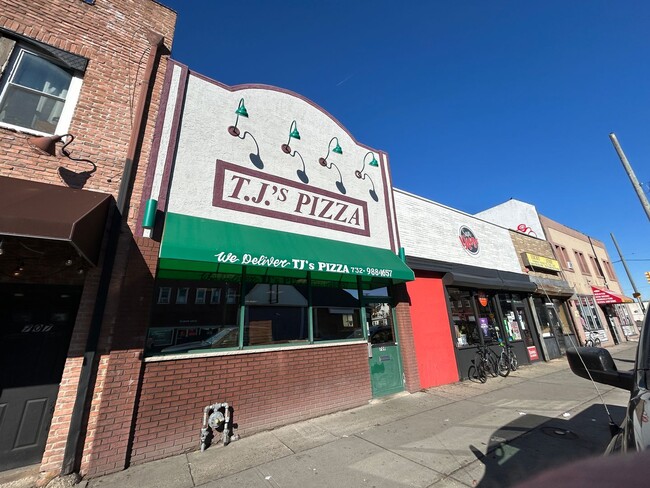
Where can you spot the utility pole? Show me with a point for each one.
(636, 295)
(630, 173)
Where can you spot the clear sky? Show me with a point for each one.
(475, 102)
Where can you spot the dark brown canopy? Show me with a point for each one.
(42, 211)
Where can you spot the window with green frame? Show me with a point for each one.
(257, 313)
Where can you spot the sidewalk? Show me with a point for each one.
(460, 435)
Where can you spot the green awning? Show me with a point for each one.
(197, 248)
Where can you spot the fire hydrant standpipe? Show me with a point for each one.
(214, 419)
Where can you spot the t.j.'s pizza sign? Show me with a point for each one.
(468, 240)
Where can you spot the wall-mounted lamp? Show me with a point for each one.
(47, 145)
(362, 175)
(293, 134)
(286, 148)
(241, 112)
(337, 149)
(327, 164)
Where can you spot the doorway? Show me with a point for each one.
(385, 361)
(36, 323)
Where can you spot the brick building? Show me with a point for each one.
(89, 73)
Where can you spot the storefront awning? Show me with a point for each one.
(197, 248)
(548, 286)
(604, 296)
(42, 211)
(489, 279)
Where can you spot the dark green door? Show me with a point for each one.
(386, 375)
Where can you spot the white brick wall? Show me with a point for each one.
(430, 230)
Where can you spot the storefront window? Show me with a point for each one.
(513, 320)
(625, 319)
(336, 314)
(208, 315)
(545, 319)
(182, 327)
(487, 321)
(564, 318)
(463, 317)
(588, 314)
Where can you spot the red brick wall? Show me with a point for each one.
(406, 342)
(266, 390)
(106, 447)
(113, 36)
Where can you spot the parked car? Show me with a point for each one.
(224, 338)
(596, 363)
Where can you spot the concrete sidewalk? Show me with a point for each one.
(461, 435)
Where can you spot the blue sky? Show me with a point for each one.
(475, 102)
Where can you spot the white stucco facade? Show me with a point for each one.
(245, 177)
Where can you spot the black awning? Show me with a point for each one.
(42, 211)
(517, 282)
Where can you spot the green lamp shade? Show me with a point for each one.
(241, 110)
(337, 149)
(295, 134)
(373, 162)
(149, 219)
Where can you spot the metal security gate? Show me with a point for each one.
(36, 323)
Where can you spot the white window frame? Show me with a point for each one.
(215, 296)
(71, 99)
(182, 295)
(201, 293)
(164, 295)
(231, 296)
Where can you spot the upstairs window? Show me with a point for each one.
(37, 92)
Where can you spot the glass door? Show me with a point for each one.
(386, 375)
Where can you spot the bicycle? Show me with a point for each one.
(503, 363)
(482, 364)
(592, 339)
(508, 359)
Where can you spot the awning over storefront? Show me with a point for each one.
(42, 211)
(547, 286)
(604, 296)
(197, 248)
(490, 279)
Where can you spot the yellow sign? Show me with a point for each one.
(541, 262)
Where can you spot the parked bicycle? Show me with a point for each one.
(592, 339)
(483, 364)
(507, 360)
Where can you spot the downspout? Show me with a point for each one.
(156, 41)
(72, 448)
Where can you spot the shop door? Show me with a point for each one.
(557, 328)
(386, 375)
(35, 327)
(530, 337)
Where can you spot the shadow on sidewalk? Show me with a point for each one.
(553, 443)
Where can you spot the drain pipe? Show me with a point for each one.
(72, 446)
(156, 42)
